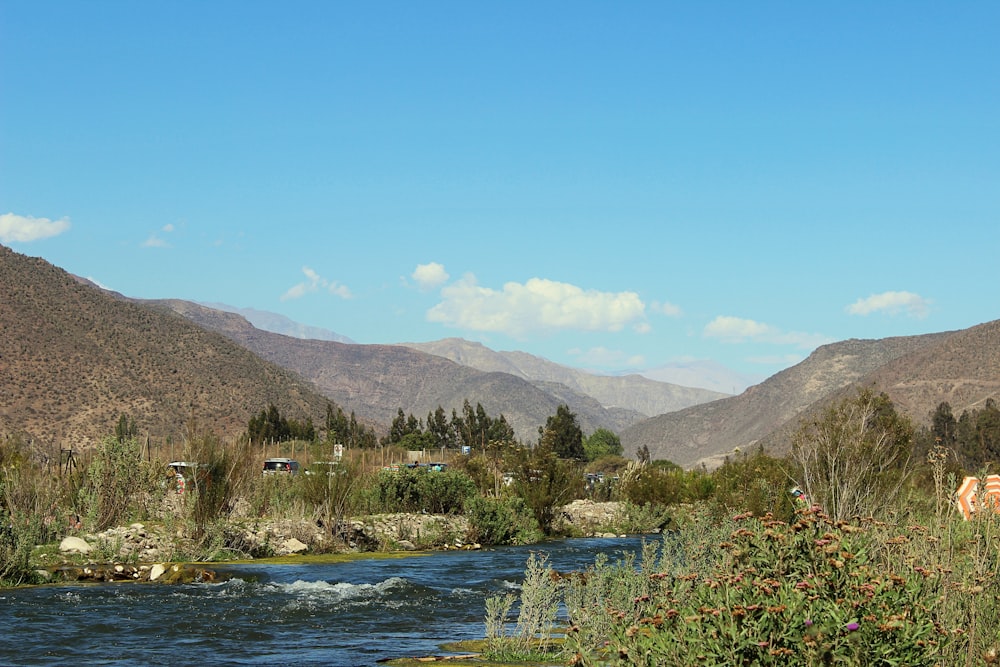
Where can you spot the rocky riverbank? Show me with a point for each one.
(164, 552)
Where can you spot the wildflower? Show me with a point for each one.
(809, 622)
(851, 627)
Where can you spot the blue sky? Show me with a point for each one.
(607, 185)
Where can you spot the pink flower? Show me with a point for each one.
(851, 627)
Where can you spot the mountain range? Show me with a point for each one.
(76, 357)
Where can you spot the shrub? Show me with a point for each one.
(332, 492)
(537, 614)
(855, 457)
(813, 592)
(118, 485)
(419, 489)
(32, 511)
(505, 520)
(757, 483)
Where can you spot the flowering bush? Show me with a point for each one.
(813, 592)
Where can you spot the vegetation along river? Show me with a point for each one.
(333, 614)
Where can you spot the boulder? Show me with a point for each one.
(293, 546)
(74, 545)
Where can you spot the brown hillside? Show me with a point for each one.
(379, 380)
(705, 433)
(75, 358)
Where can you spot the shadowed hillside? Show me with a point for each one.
(75, 358)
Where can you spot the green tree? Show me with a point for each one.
(600, 443)
(476, 429)
(440, 429)
(642, 454)
(403, 427)
(944, 425)
(988, 431)
(546, 482)
(563, 435)
(126, 429)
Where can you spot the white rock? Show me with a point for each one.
(72, 544)
(156, 571)
(294, 546)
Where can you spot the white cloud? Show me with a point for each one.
(666, 308)
(155, 241)
(537, 305)
(429, 276)
(24, 228)
(313, 283)
(739, 330)
(892, 303)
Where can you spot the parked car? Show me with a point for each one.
(281, 466)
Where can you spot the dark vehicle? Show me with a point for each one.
(281, 467)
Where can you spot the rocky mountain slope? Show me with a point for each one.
(917, 373)
(75, 358)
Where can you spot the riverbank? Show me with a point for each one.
(167, 551)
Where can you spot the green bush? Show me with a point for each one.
(33, 509)
(758, 591)
(419, 490)
(504, 520)
(755, 482)
(119, 486)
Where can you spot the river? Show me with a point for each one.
(333, 614)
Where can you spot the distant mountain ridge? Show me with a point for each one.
(76, 357)
(702, 374)
(916, 372)
(380, 380)
(630, 392)
(276, 323)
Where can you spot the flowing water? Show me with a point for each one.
(336, 614)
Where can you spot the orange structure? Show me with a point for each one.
(968, 499)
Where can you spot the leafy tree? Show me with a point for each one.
(403, 426)
(440, 429)
(988, 431)
(944, 425)
(268, 426)
(546, 482)
(562, 435)
(855, 457)
(476, 429)
(642, 454)
(126, 429)
(602, 442)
